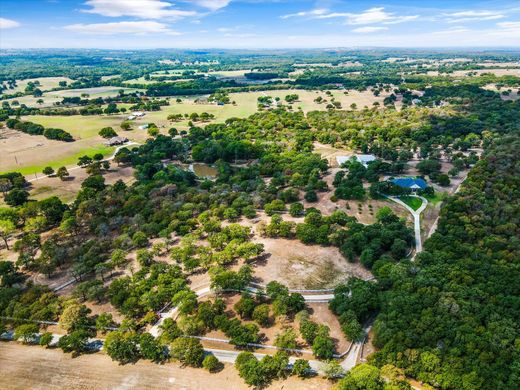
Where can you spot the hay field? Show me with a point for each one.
(85, 128)
(47, 83)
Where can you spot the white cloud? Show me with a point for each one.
(144, 9)
(370, 16)
(8, 23)
(453, 30)
(509, 29)
(509, 25)
(212, 4)
(369, 29)
(314, 12)
(472, 15)
(378, 15)
(139, 28)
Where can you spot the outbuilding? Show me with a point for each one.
(362, 158)
(114, 141)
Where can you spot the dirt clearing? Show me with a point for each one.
(305, 266)
(31, 367)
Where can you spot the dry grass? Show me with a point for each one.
(32, 367)
(304, 266)
(319, 312)
(47, 83)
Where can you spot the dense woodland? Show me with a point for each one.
(451, 319)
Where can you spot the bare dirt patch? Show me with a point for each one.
(31, 367)
(303, 266)
(68, 189)
(364, 211)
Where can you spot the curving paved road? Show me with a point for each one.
(416, 219)
(206, 290)
(349, 357)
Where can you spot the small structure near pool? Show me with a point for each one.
(412, 183)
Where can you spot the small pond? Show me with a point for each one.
(204, 170)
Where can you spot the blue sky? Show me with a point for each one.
(128, 24)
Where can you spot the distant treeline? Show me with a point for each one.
(263, 75)
(36, 129)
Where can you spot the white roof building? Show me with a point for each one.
(138, 113)
(362, 158)
(365, 158)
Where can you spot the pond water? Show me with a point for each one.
(204, 170)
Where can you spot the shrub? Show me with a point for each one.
(107, 132)
(45, 339)
(211, 363)
(301, 367)
(26, 333)
(187, 351)
(261, 315)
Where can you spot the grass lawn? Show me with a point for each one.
(436, 198)
(66, 161)
(80, 126)
(412, 201)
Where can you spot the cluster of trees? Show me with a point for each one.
(263, 75)
(107, 132)
(259, 373)
(204, 86)
(220, 97)
(389, 239)
(12, 187)
(349, 184)
(33, 218)
(317, 336)
(35, 129)
(202, 117)
(354, 303)
(226, 244)
(148, 290)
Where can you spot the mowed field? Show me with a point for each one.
(29, 154)
(85, 128)
(33, 367)
(247, 104)
(46, 83)
(33, 153)
(51, 97)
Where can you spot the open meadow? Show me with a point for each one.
(46, 84)
(30, 154)
(48, 99)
